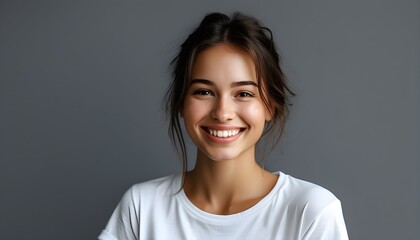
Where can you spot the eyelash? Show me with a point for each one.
(248, 94)
(205, 92)
(202, 92)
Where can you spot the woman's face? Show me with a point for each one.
(223, 111)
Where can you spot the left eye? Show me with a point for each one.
(245, 94)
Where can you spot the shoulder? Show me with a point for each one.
(137, 204)
(151, 190)
(302, 193)
(167, 184)
(315, 209)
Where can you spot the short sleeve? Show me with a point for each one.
(328, 225)
(124, 223)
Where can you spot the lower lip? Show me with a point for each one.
(224, 140)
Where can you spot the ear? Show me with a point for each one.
(269, 113)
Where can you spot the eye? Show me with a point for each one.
(202, 92)
(245, 94)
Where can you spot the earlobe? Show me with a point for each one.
(269, 114)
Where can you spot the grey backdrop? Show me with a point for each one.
(81, 117)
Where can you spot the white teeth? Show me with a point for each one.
(224, 134)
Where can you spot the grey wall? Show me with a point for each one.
(81, 84)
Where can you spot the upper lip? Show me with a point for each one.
(221, 127)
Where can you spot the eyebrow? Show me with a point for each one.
(234, 84)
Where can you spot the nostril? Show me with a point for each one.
(222, 115)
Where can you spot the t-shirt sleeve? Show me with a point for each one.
(328, 225)
(124, 223)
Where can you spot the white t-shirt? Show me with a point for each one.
(294, 209)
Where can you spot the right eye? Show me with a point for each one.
(202, 92)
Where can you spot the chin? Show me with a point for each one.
(221, 156)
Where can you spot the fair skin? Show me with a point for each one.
(225, 116)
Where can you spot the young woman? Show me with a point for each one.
(229, 90)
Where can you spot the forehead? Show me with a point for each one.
(224, 61)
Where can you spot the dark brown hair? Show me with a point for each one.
(248, 34)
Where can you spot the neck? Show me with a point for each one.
(224, 174)
(227, 186)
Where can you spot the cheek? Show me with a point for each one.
(254, 114)
(193, 111)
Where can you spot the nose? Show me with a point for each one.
(223, 109)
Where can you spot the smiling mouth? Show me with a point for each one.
(223, 133)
